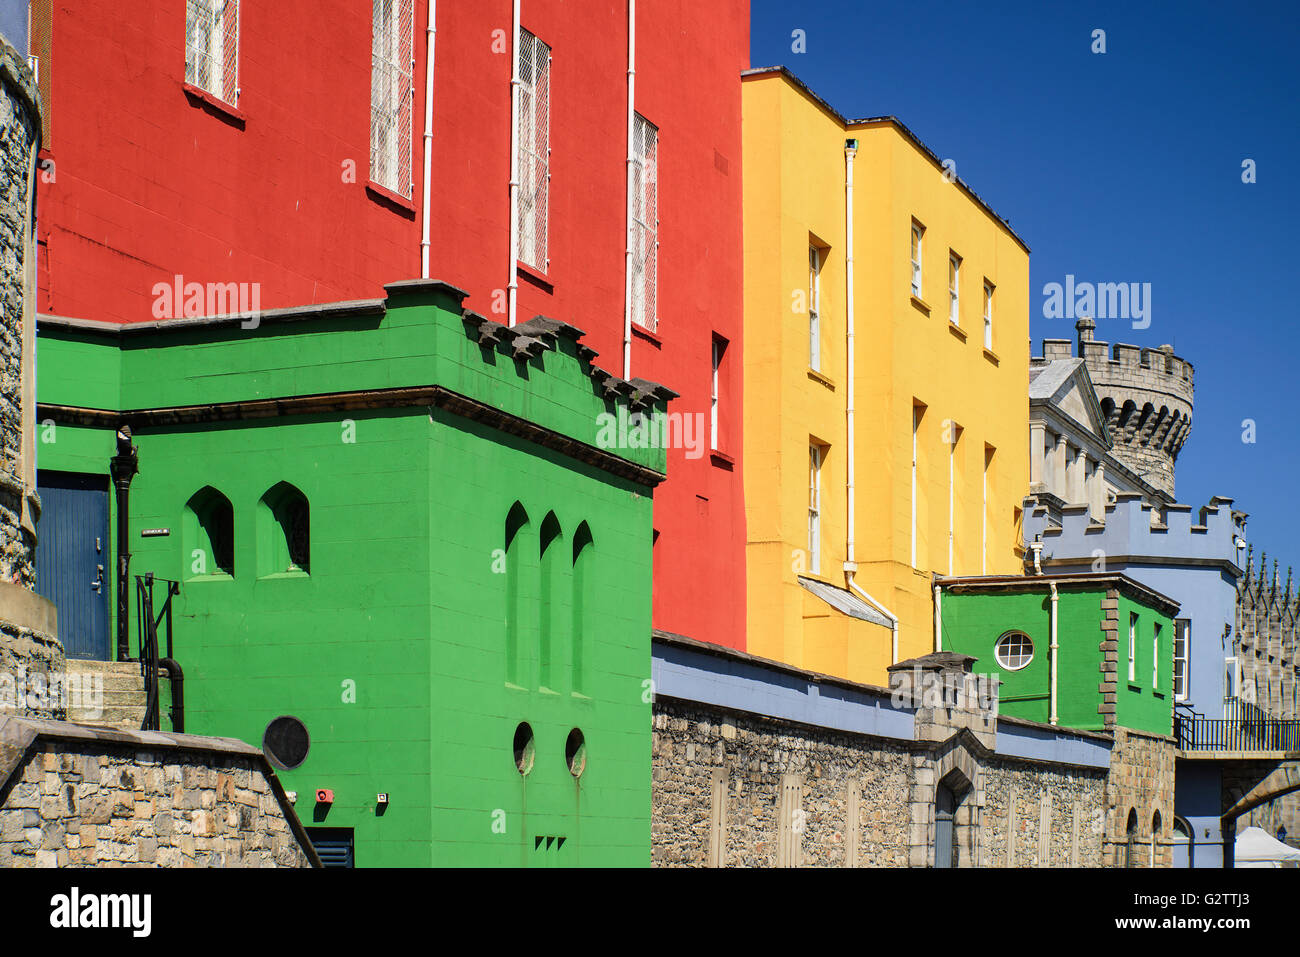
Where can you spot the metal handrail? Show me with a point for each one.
(150, 661)
(1253, 733)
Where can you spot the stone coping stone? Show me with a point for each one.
(18, 735)
(23, 607)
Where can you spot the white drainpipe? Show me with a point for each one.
(631, 162)
(893, 619)
(512, 289)
(431, 37)
(850, 564)
(1054, 650)
(938, 618)
(850, 151)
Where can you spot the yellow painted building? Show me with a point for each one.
(940, 412)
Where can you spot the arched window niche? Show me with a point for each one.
(516, 534)
(583, 548)
(283, 533)
(550, 545)
(208, 535)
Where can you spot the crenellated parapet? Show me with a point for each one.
(1133, 529)
(1146, 395)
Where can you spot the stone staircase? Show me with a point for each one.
(124, 695)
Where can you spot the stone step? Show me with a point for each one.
(116, 676)
(121, 718)
(83, 665)
(127, 699)
(124, 694)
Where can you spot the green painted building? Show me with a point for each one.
(392, 523)
(1107, 662)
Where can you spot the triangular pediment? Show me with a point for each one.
(1064, 384)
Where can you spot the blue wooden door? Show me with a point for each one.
(72, 565)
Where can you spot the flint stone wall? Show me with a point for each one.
(19, 134)
(702, 753)
(1052, 818)
(24, 655)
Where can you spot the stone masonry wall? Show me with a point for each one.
(1141, 780)
(81, 804)
(1052, 818)
(693, 746)
(725, 782)
(24, 654)
(19, 133)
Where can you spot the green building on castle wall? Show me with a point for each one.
(393, 526)
(1091, 651)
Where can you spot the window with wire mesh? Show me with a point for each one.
(391, 63)
(645, 223)
(534, 138)
(212, 47)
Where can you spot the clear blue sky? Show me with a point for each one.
(1117, 167)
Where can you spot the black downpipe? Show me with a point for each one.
(123, 467)
(177, 679)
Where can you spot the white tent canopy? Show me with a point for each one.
(1255, 848)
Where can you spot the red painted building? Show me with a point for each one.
(283, 144)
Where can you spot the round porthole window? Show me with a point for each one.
(1014, 650)
(286, 742)
(525, 750)
(575, 752)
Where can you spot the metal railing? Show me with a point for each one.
(1251, 730)
(151, 663)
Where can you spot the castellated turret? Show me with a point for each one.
(1146, 396)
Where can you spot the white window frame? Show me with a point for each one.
(814, 507)
(989, 452)
(533, 136)
(1000, 655)
(1231, 678)
(952, 492)
(1182, 662)
(392, 93)
(645, 223)
(1132, 646)
(212, 40)
(954, 288)
(814, 308)
(988, 314)
(918, 235)
(719, 347)
(916, 423)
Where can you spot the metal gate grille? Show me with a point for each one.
(645, 223)
(534, 149)
(212, 47)
(391, 65)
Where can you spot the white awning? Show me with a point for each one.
(843, 600)
(1255, 848)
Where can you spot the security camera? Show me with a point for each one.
(1240, 543)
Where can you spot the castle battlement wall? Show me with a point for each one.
(1207, 534)
(1146, 395)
